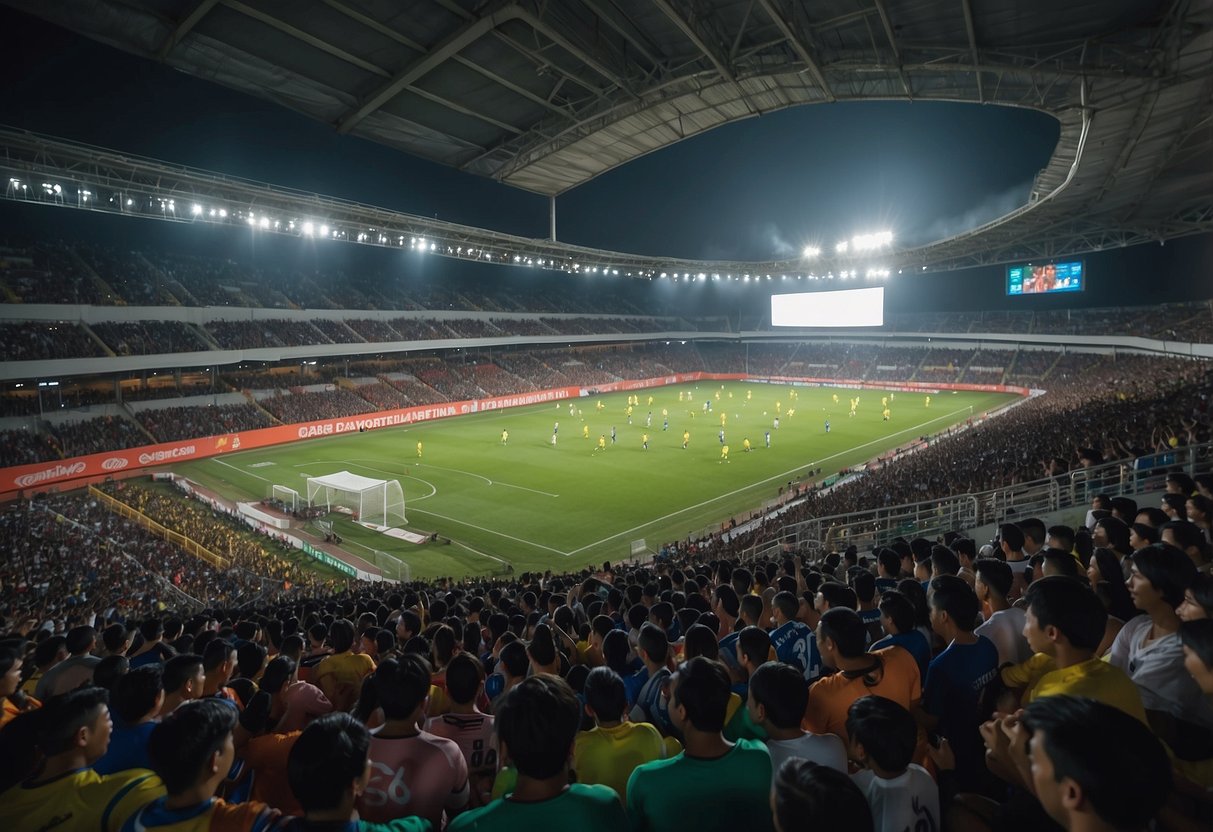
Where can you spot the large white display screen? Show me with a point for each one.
(848, 307)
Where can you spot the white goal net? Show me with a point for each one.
(289, 497)
(369, 500)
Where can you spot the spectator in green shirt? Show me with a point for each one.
(713, 784)
(537, 724)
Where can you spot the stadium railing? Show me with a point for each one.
(184, 600)
(877, 527)
(123, 510)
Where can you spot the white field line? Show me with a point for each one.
(760, 482)
(486, 479)
(242, 471)
(493, 532)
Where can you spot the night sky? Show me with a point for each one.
(756, 189)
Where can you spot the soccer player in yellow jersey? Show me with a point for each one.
(686, 439)
(791, 412)
(585, 431)
(66, 793)
(778, 406)
(886, 414)
(724, 453)
(505, 437)
(884, 401)
(749, 395)
(644, 441)
(928, 402)
(681, 394)
(602, 442)
(419, 450)
(600, 405)
(835, 397)
(650, 401)
(745, 445)
(724, 417)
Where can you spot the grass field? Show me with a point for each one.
(538, 506)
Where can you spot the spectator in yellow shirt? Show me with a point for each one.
(340, 675)
(609, 752)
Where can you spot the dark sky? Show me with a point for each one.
(756, 189)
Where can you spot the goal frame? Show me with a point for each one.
(375, 501)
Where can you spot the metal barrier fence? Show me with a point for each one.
(931, 518)
(123, 510)
(109, 545)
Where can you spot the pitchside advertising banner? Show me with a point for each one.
(46, 474)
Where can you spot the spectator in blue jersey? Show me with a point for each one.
(795, 643)
(650, 706)
(956, 678)
(135, 705)
(192, 750)
(888, 570)
(897, 619)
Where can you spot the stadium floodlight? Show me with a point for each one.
(841, 247)
(324, 231)
(195, 209)
(222, 213)
(265, 221)
(867, 242)
(129, 202)
(811, 252)
(309, 229)
(252, 220)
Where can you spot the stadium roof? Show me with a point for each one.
(547, 95)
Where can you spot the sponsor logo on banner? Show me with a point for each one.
(26, 480)
(115, 463)
(167, 454)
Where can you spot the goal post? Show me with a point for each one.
(286, 495)
(372, 501)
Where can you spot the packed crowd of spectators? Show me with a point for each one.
(170, 424)
(129, 275)
(1030, 366)
(415, 392)
(219, 532)
(148, 337)
(44, 272)
(382, 395)
(929, 684)
(495, 381)
(534, 368)
(25, 447)
(100, 433)
(335, 331)
(373, 330)
(32, 341)
(311, 407)
(248, 335)
(453, 381)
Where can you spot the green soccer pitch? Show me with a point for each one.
(538, 506)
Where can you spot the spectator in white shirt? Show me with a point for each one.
(1004, 623)
(777, 700)
(882, 736)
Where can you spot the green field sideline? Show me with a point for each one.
(537, 506)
